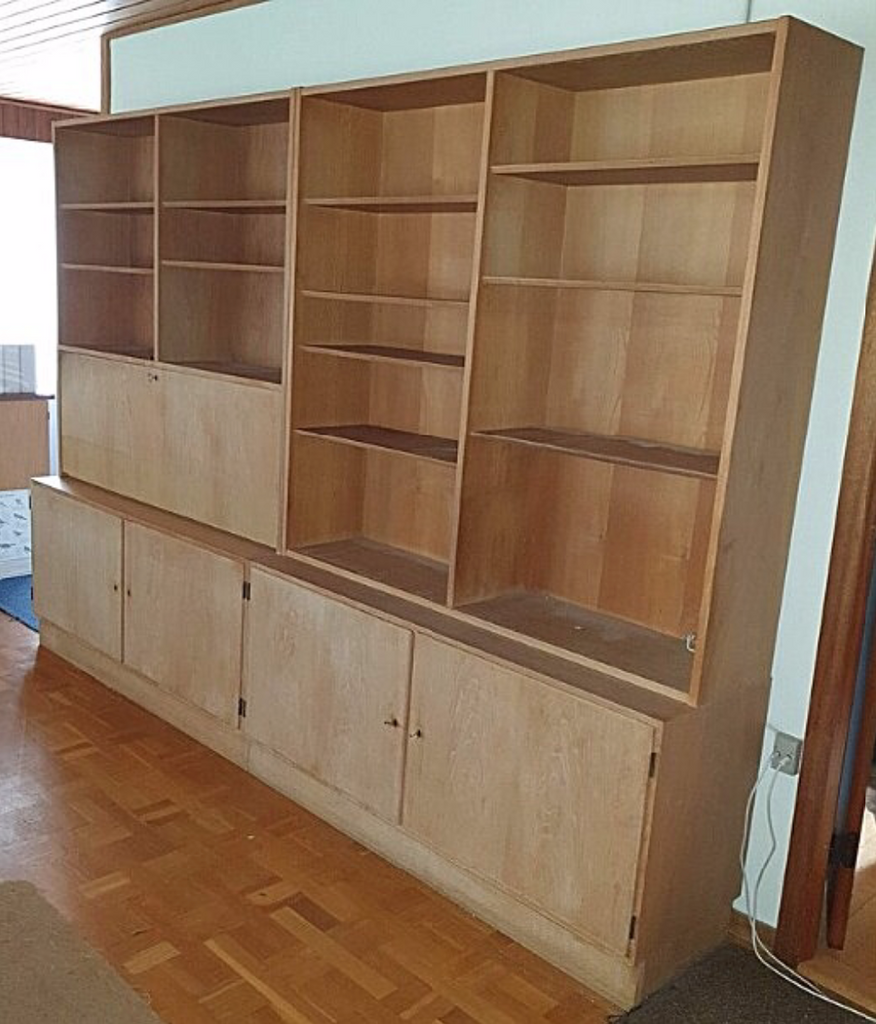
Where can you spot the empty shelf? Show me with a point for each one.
(603, 638)
(382, 299)
(649, 171)
(391, 566)
(250, 268)
(613, 286)
(389, 354)
(399, 204)
(402, 442)
(106, 268)
(228, 205)
(627, 451)
(119, 352)
(138, 206)
(269, 374)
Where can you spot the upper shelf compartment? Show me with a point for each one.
(687, 113)
(226, 157)
(416, 144)
(107, 165)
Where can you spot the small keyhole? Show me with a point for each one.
(393, 722)
(128, 592)
(115, 588)
(416, 734)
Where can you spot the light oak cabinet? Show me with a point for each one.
(535, 789)
(505, 418)
(184, 619)
(77, 569)
(327, 687)
(204, 447)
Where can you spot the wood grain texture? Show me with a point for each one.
(77, 569)
(327, 688)
(518, 783)
(184, 620)
(23, 119)
(24, 427)
(161, 436)
(798, 194)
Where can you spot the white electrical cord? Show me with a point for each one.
(761, 951)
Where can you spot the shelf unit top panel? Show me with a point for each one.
(414, 94)
(675, 61)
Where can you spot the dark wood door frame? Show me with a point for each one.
(836, 666)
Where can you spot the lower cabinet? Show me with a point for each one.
(529, 787)
(162, 436)
(184, 619)
(77, 569)
(327, 687)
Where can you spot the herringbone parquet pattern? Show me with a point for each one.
(221, 900)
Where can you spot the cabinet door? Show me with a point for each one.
(327, 687)
(530, 787)
(77, 569)
(222, 442)
(203, 447)
(184, 619)
(111, 425)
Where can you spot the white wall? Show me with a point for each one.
(285, 43)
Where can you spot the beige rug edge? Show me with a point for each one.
(48, 975)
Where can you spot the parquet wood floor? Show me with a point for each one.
(220, 899)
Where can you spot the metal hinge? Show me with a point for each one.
(241, 707)
(844, 849)
(247, 590)
(652, 765)
(633, 923)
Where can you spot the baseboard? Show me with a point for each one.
(610, 975)
(11, 567)
(739, 931)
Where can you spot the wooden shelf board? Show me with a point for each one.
(121, 352)
(625, 451)
(381, 300)
(648, 171)
(390, 354)
(613, 286)
(390, 566)
(144, 206)
(268, 374)
(277, 206)
(248, 268)
(400, 442)
(577, 630)
(106, 268)
(399, 204)
(469, 87)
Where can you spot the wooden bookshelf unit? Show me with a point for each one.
(484, 391)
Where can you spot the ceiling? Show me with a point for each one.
(50, 49)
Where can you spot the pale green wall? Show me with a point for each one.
(295, 42)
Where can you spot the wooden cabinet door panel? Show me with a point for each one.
(184, 619)
(327, 687)
(77, 569)
(530, 787)
(204, 447)
(221, 449)
(111, 425)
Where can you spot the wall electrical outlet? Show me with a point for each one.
(786, 745)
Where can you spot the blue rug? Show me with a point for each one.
(16, 601)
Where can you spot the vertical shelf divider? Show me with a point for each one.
(471, 329)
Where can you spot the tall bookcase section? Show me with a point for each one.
(388, 187)
(617, 225)
(105, 174)
(224, 198)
